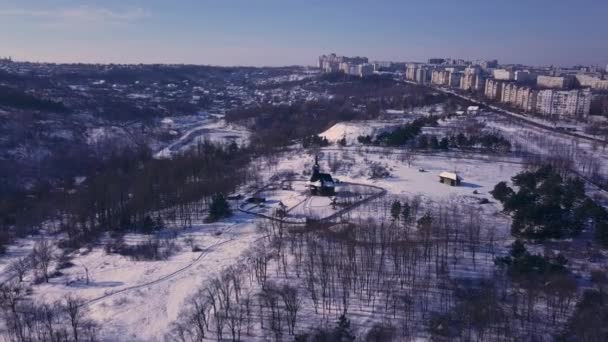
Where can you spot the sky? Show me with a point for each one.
(289, 32)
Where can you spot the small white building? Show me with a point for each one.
(167, 123)
(473, 110)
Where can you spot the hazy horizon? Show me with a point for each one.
(278, 33)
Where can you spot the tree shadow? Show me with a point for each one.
(83, 284)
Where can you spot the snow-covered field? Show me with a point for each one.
(352, 130)
(125, 295)
(207, 129)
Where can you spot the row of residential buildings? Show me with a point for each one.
(562, 103)
(356, 66)
(564, 96)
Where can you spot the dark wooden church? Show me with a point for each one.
(321, 184)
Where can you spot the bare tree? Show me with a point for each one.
(74, 309)
(292, 303)
(42, 256)
(20, 267)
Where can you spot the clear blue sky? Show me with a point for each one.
(285, 32)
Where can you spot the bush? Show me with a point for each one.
(149, 250)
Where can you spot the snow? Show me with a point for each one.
(124, 295)
(209, 128)
(352, 130)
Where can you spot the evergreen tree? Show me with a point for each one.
(219, 207)
(405, 212)
(396, 210)
(501, 191)
(343, 332)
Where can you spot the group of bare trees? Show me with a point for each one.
(226, 308)
(429, 272)
(39, 261)
(26, 320)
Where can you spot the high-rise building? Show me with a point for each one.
(493, 89)
(410, 71)
(564, 103)
(423, 75)
(467, 82)
(454, 79)
(553, 82)
(480, 83)
(333, 63)
(526, 99)
(592, 81)
(471, 79)
(503, 74)
(365, 69)
(509, 93)
(489, 64)
(440, 77)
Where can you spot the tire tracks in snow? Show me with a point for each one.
(200, 257)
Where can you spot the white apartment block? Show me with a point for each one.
(333, 63)
(526, 99)
(564, 103)
(467, 82)
(440, 77)
(553, 82)
(592, 81)
(493, 89)
(503, 74)
(472, 80)
(509, 93)
(423, 75)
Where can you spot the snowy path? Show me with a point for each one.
(201, 256)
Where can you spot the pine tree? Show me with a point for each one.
(396, 210)
(343, 331)
(219, 207)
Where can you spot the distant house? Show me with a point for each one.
(321, 184)
(473, 110)
(450, 178)
(167, 123)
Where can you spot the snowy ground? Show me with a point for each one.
(126, 295)
(390, 119)
(206, 129)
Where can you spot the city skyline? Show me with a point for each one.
(275, 33)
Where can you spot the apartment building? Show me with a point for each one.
(592, 81)
(440, 77)
(503, 74)
(493, 89)
(554, 82)
(564, 103)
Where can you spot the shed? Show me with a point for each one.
(451, 178)
(473, 110)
